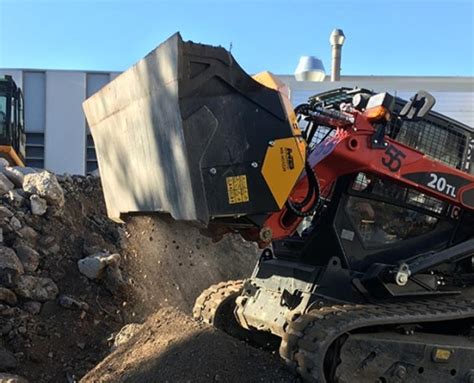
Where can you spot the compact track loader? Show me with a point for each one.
(362, 203)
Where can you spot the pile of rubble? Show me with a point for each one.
(53, 324)
(70, 279)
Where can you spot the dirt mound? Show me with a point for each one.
(170, 347)
(57, 321)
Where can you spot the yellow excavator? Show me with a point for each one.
(362, 203)
(12, 127)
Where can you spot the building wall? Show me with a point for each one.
(65, 139)
(59, 140)
(454, 95)
(57, 135)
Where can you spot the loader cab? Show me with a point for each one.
(12, 127)
(378, 221)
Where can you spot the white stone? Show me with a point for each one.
(46, 185)
(93, 267)
(38, 205)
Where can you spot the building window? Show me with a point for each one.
(94, 81)
(35, 150)
(91, 158)
(34, 91)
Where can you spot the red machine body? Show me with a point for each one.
(354, 148)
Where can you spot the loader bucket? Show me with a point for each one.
(185, 131)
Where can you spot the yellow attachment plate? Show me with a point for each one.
(282, 166)
(237, 189)
(271, 81)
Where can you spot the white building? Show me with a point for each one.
(58, 138)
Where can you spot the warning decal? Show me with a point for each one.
(237, 189)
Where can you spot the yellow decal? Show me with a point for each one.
(237, 189)
(442, 355)
(271, 81)
(282, 166)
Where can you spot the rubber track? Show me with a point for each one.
(308, 338)
(209, 300)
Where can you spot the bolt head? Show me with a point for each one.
(212, 171)
(401, 372)
(254, 165)
(402, 279)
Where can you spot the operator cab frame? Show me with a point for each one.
(12, 126)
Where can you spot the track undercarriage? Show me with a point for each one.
(414, 340)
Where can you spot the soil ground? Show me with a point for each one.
(171, 347)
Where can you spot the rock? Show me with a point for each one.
(4, 162)
(6, 310)
(47, 241)
(32, 307)
(38, 205)
(5, 184)
(10, 267)
(1, 236)
(10, 378)
(36, 288)
(53, 249)
(114, 281)
(5, 212)
(69, 302)
(29, 234)
(7, 360)
(28, 257)
(16, 197)
(125, 334)
(16, 174)
(89, 250)
(15, 223)
(5, 328)
(7, 296)
(46, 185)
(93, 267)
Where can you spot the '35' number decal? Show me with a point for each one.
(393, 158)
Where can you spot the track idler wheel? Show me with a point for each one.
(215, 306)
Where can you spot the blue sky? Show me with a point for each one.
(383, 37)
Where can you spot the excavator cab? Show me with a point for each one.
(12, 126)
